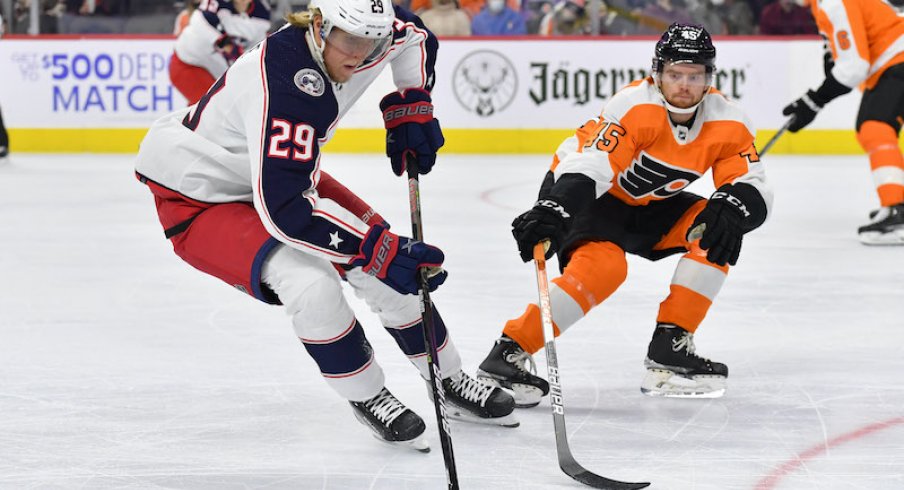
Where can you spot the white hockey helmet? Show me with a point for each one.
(367, 19)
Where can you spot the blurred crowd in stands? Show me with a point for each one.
(452, 17)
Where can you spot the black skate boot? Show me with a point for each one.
(391, 421)
(675, 370)
(507, 367)
(472, 400)
(886, 227)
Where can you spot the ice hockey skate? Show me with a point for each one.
(511, 368)
(675, 370)
(886, 227)
(472, 400)
(391, 421)
(4, 155)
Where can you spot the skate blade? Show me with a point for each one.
(526, 396)
(419, 443)
(895, 237)
(455, 413)
(666, 384)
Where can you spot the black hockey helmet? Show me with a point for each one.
(685, 43)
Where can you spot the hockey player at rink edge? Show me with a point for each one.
(865, 49)
(241, 193)
(218, 32)
(614, 188)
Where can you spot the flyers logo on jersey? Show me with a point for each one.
(649, 177)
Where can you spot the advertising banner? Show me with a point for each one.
(491, 95)
(86, 83)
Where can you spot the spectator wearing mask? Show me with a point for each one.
(446, 19)
(498, 19)
(568, 18)
(786, 18)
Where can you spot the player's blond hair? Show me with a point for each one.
(303, 19)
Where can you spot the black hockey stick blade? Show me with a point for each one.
(579, 473)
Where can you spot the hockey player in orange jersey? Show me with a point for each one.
(616, 187)
(866, 43)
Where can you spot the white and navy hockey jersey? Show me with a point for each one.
(256, 135)
(213, 19)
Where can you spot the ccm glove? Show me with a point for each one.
(411, 129)
(805, 108)
(396, 261)
(545, 221)
(723, 232)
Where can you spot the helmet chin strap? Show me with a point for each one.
(316, 49)
(680, 110)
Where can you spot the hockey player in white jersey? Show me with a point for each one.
(240, 192)
(218, 32)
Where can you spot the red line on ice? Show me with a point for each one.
(772, 480)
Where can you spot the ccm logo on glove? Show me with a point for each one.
(553, 206)
(732, 200)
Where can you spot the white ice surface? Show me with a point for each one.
(122, 367)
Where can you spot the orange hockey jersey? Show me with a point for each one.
(865, 36)
(634, 152)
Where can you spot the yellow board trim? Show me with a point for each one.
(458, 141)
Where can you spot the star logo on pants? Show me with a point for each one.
(335, 240)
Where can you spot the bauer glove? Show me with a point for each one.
(229, 48)
(397, 261)
(411, 129)
(545, 221)
(721, 225)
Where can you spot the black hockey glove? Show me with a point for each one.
(411, 129)
(545, 221)
(723, 228)
(805, 108)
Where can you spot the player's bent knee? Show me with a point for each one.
(876, 135)
(311, 292)
(395, 309)
(600, 266)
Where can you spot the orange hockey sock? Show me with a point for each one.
(880, 141)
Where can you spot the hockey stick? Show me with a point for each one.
(566, 461)
(777, 135)
(697, 232)
(436, 379)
